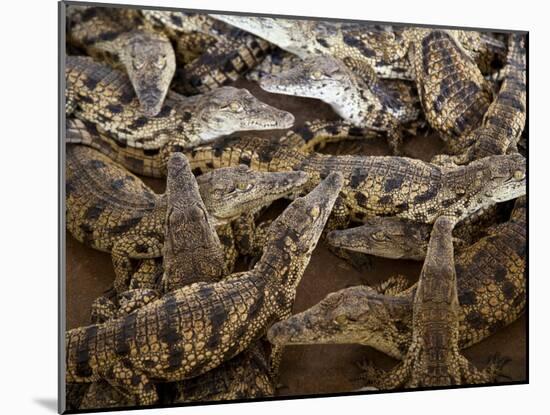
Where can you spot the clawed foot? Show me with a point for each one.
(370, 373)
(495, 366)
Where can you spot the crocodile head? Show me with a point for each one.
(352, 315)
(385, 237)
(321, 77)
(227, 110)
(150, 62)
(231, 191)
(293, 236)
(503, 177)
(294, 36)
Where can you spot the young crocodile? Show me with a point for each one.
(491, 277)
(110, 209)
(196, 328)
(300, 140)
(433, 357)
(362, 102)
(397, 238)
(118, 37)
(105, 97)
(381, 185)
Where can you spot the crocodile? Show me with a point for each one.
(300, 140)
(104, 96)
(212, 52)
(433, 357)
(504, 121)
(246, 376)
(118, 37)
(397, 238)
(362, 102)
(192, 250)
(110, 209)
(194, 329)
(380, 185)
(491, 277)
(360, 46)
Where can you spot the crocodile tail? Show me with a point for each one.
(79, 346)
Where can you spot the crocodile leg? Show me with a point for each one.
(148, 274)
(230, 252)
(127, 248)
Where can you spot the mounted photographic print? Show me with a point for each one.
(259, 207)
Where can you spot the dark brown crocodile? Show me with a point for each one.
(195, 329)
(453, 92)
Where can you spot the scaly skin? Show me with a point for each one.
(360, 46)
(196, 328)
(453, 92)
(381, 185)
(222, 53)
(396, 238)
(505, 118)
(110, 209)
(491, 292)
(297, 142)
(362, 102)
(192, 250)
(105, 97)
(119, 38)
(192, 253)
(433, 357)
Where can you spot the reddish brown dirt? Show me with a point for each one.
(306, 369)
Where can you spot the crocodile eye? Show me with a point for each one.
(519, 175)
(244, 186)
(341, 319)
(138, 64)
(314, 212)
(379, 236)
(316, 75)
(161, 62)
(235, 106)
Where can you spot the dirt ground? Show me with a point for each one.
(307, 369)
